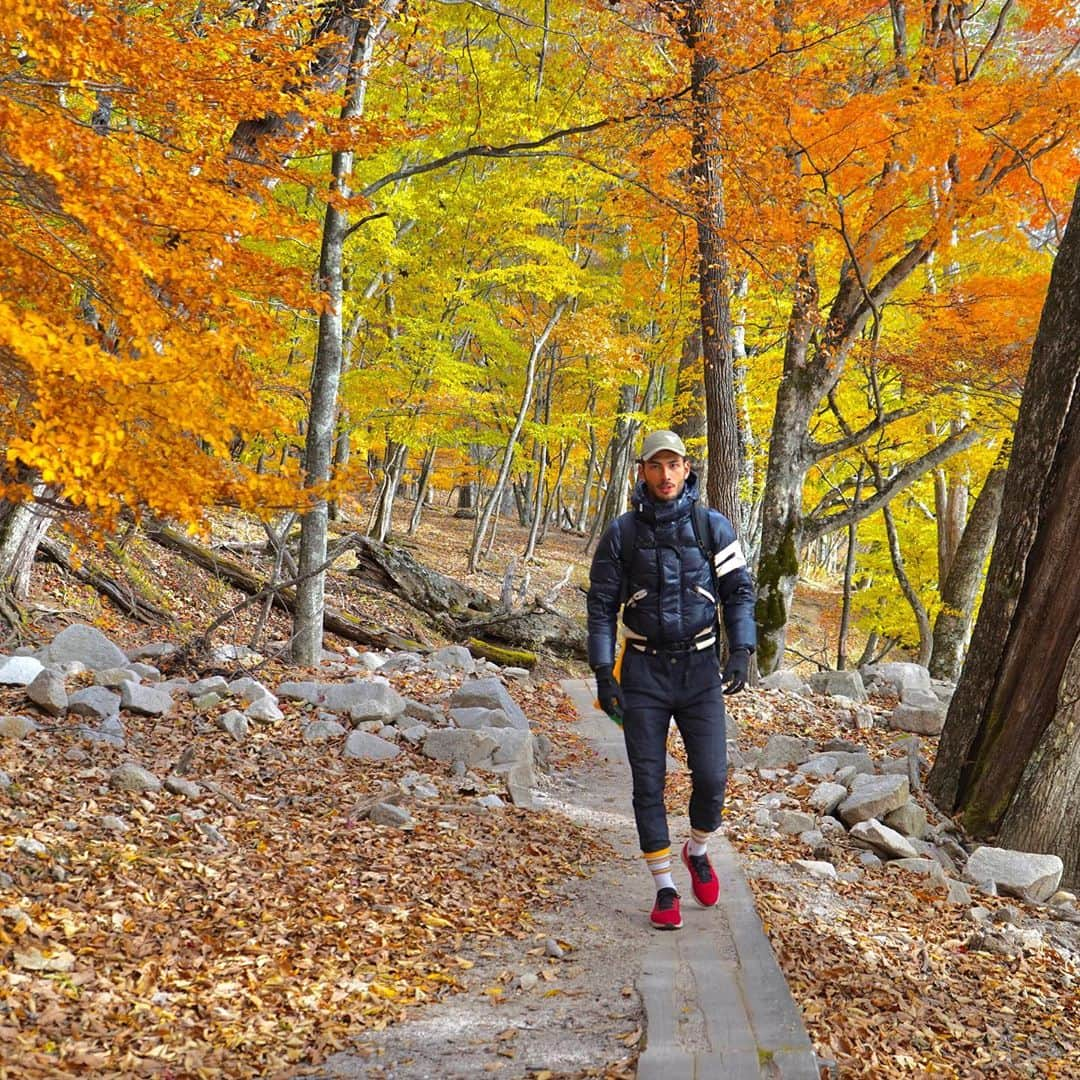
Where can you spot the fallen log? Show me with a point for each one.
(123, 596)
(334, 622)
(501, 654)
(464, 612)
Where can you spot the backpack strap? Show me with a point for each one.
(703, 536)
(628, 543)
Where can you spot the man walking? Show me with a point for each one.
(671, 566)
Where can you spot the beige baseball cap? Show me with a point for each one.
(656, 441)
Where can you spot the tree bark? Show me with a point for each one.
(326, 370)
(961, 586)
(1010, 688)
(491, 506)
(698, 25)
(22, 527)
(1046, 814)
(240, 576)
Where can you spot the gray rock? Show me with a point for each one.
(513, 746)
(1018, 873)
(897, 676)
(491, 802)
(364, 746)
(153, 650)
(820, 765)
(371, 661)
(235, 655)
(145, 700)
(784, 679)
(48, 692)
(264, 710)
(923, 720)
(19, 670)
(489, 694)
(825, 798)
(476, 718)
(875, 797)
(918, 865)
(460, 745)
(909, 819)
(94, 701)
(179, 785)
(959, 893)
(793, 822)
(16, 727)
(519, 784)
(114, 823)
(132, 777)
(415, 733)
(395, 817)
(145, 672)
(249, 690)
(85, 644)
(300, 691)
(322, 730)
(212, 834)
(216, 684)
(235, 723)
(431, 715)
(403, 661)
(454, 658)
(782, 751)
(816, 868)
(919, 698)
(846, 684)
(206, 702)
(114, 676)
(882, 838)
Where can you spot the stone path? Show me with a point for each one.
(716, 1003)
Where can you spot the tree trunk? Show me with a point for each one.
(911, 595)
(382, 516)
(953, 622)
(22, 527)
(951, 511)
(326, 370)
(620, 457)
(1010, 689)
(422, 489)
(1045, 816)
(492, 505)
(849, 576)
(699, 31)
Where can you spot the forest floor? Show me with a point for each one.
(310, 932)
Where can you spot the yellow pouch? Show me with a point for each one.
(616, 670)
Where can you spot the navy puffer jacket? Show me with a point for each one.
(670, 593)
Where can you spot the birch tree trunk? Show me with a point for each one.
(495, 498)
(22, 528)
(961, 586)
(326, 369)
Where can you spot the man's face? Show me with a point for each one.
(665, 475)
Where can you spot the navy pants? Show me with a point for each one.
(688, 687)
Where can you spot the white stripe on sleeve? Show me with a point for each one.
(730, 558)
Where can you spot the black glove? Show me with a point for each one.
(609, 694)
(736, 670)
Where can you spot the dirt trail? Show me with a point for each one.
(561, 1017)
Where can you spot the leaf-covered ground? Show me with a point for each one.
(264, 923)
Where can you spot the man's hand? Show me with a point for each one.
(609, 694)
(735, 671)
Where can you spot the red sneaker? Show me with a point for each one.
(702, 877)
(665, 913)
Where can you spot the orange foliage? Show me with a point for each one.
(132, 282)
